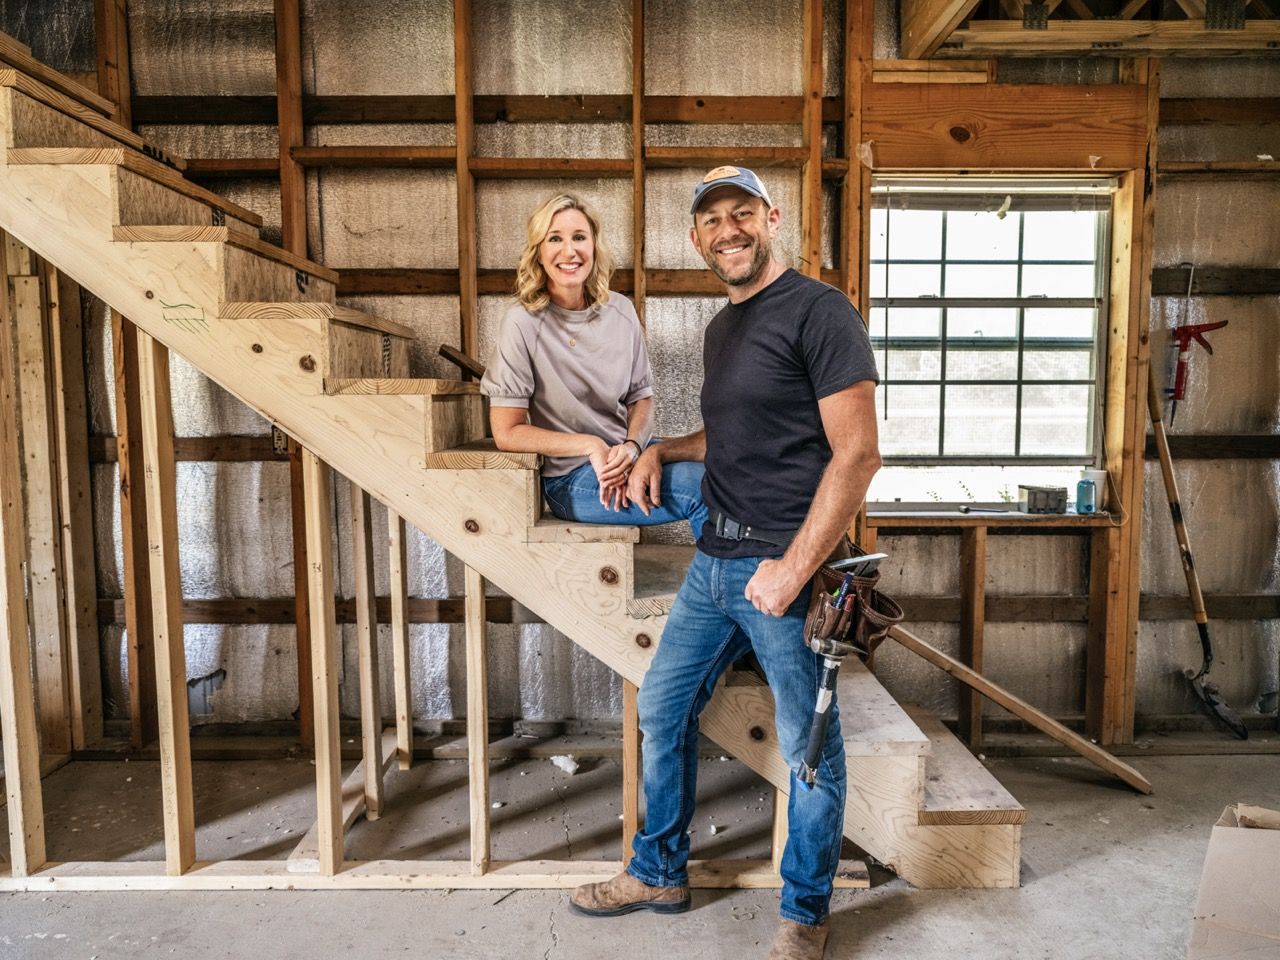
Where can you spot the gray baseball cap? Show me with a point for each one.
(730, 176)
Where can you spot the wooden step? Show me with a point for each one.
(40, 116)
(298, 311)
(554, 530)
(873, 723)
(361, 346)
(186, 234)
(383, 386)
(144, 201)
(481, 455)
(659, 571)
(137, 163)
(958, 789)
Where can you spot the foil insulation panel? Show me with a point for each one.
(1246, 654)
(1022, 566)
(214, 140)
(579, 140)
(194, 48)
(59, 32)
(1234, 142)
(434, 319)
(1060, 71)
(1237, 77)
(674, 328)
(394, 47)
(911, 679)
(920, 566)
(679, 34)
(723, 135)
(887, 45)
(547, 47)
(1202, 222)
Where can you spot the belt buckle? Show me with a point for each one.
(728, 528)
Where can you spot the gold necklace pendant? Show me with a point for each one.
(573, 341)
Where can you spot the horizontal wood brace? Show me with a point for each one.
(216, 168)
(537, 167)
(710, 156)
(1215, 281)
(374, 156)
(1118, 38)
(280, 610)
(1181, 111)
(1170, 170)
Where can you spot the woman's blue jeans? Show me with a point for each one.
(710, 626)
(576, 496)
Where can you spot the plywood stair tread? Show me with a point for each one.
(659, 571)
(186, 234)
(481, 455)
(135, 162)
(388, 386)
(272, 310)
(958, 789)
(872, 721)
(554, 530)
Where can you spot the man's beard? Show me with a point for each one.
(758, 260)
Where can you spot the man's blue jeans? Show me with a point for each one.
(576, 496)
(711, 625)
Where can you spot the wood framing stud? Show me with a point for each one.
(367, 650)
(973, 595)
(399, 573)
(477, 721)
(630, 769)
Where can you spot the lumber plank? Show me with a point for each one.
(305, 857)
(166, 605)
(926, 24)
(778, 831)
(111, 29)
(680, 157)
(660, 569)
(74, 498)
(481, 455)
(300, 607)
(538, 167)
(234, 238)
(551, 529)
(958, 789)
(464, 126)
(393, 875)
(1179, 111)
(325, 662)
(387, 386)
(871, 721)
(461, 360)
(1117, 38)
(1023, 710)
(1006, 127)
(973, 615)
(44, 521)
(293, 185)
(631, 771)
(367, 650)
(399, 602)
(18, 728)
(304, 310)
(13, 55)
(477, 722)
(1228, 170)
(411, 156)
(215, 168)
(811, 134)
(638, 291)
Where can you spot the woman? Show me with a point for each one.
(570, 377)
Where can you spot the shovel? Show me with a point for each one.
(1206, 692)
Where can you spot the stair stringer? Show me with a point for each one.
(581, 589)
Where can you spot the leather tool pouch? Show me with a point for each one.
(863, 622)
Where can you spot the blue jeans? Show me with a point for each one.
(711, 625)
(576, 496)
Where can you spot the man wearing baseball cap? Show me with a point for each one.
(789, 443)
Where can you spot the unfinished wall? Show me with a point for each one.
(235, 517)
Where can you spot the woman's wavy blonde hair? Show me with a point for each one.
(531, 279)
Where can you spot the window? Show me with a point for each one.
(987, 311)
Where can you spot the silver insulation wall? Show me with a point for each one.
(235, 539)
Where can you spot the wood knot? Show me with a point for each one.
(757, 733)
(608, 575)
(644, 641)
(257, 348)
(472, 527)
(961, 134)
(308, 363)
(150, 295)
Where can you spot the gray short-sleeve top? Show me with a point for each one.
(574, 370)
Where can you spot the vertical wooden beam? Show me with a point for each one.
(166, 604)
(630, 769)
(293, 212)
(973, 601)
(400, 640)
(779, 830)
(464, 122)
(811, 175)
(324, 661)
(477, 721)
(75, 499)
(637, 158)
(367, 650)
(21, 736)
(44, 522)
(135, 578)
(111, 23)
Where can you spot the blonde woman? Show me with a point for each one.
(570, 379)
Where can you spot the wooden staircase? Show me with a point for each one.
(190, 270)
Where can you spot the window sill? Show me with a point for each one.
(952, 517)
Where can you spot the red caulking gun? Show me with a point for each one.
(1180, 348)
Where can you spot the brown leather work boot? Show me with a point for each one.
(623, 894)
(797, 941)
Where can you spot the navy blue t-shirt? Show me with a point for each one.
(767, 362)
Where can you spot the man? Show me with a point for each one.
(789, 443)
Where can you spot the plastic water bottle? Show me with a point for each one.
(1086, 496)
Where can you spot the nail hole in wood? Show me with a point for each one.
(757, 733)
(472, 527)
(257, 348)
(644, 641)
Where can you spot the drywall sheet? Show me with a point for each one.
(1245, 652)
(393, 47)
(194, 48)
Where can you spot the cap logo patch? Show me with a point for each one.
(719, 173)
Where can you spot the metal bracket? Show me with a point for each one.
(386, 355)
(302, 280)
(279, 441)
(1224, 14)
(1035, 15)
(217, 217)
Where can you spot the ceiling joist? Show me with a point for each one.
(1110, 38)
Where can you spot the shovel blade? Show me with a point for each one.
(1217, 708)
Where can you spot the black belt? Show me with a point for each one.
(730, 529)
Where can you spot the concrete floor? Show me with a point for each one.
(1106, 873)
